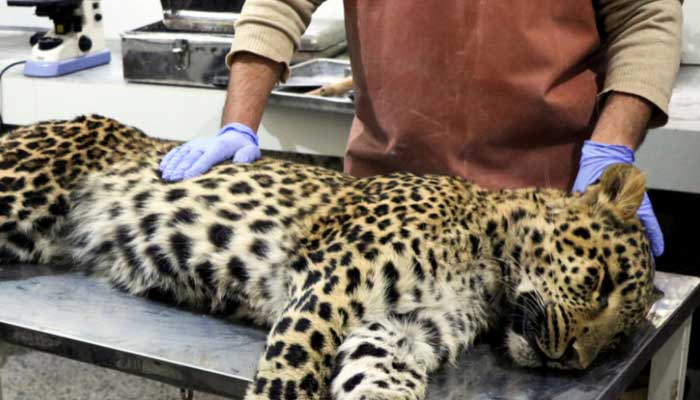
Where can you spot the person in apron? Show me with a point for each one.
(505, 94)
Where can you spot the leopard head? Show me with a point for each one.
(586, 275)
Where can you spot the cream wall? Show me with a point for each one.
(691, 32)
(20, 16)
(121, 15)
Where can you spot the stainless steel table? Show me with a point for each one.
(78, 317)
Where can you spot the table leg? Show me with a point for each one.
(185, 394)
(5, 351)
(668, 367)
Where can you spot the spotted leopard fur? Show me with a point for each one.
(368, 285)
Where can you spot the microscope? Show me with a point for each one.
(76, 41)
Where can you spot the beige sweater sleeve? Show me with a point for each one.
(272, 29)
(643, 49)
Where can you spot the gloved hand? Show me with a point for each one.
(595, 158)
(197, 156)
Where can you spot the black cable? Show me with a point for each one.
(2, 125)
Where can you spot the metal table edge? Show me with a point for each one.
(229, 385)
(637, 363)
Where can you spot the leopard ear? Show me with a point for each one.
(622, 186)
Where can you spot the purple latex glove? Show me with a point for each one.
(234, 141)
(595, 158)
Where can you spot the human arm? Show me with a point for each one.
(267, 33)
(643, 56)
(251, 79)
(642, 42)
(620, 130)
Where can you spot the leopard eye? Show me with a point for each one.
(618, 339)
(606, 287)
(602, 302)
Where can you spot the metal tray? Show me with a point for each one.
(310, 75)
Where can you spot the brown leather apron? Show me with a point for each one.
(500, 92)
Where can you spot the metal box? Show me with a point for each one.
(189, 46)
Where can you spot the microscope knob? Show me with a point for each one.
(35, 38)
(84, 43)
(49, 43)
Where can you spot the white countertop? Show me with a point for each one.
(670, 156)
(164, 111)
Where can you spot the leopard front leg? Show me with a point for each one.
(391, 359)
(301, 349)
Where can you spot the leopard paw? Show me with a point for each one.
(360, 388)
(376, 394)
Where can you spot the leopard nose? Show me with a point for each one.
(584, 356)
(571, 359)
(574, 357)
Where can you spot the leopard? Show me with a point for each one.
(366, 285)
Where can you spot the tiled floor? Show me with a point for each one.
(38, 376)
